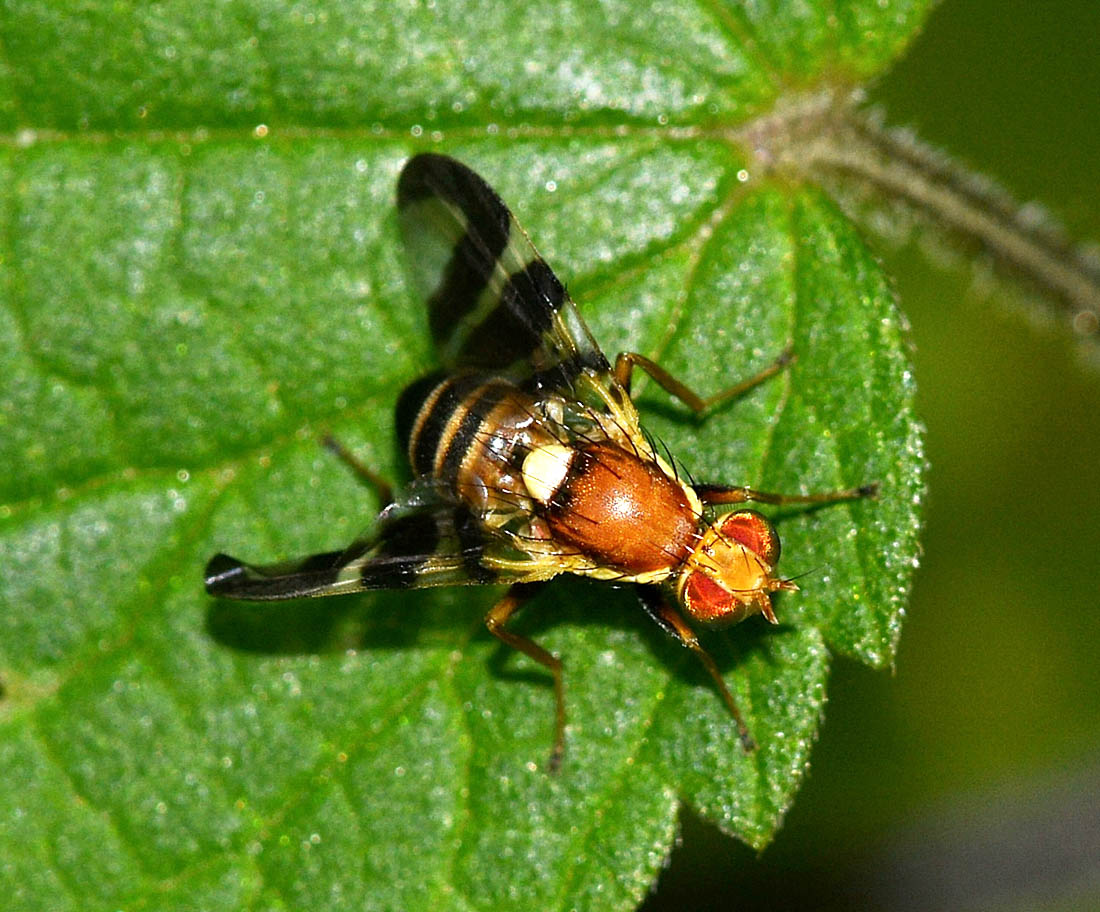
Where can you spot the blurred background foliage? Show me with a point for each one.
(970, 779)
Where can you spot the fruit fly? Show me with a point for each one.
(528, 455)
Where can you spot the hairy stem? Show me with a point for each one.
(828, 139)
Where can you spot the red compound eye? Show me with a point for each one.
(751, 529)
(706, 601)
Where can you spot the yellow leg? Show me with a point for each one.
(627, 361)
(727, 494)
(368, 475)
(672, 622)
(495, 620)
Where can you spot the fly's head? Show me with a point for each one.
(730, 574)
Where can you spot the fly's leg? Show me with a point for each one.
(715, 495)
(627, 361)
(727, 494)
(367, 475)
(495, 620)
(672, 622)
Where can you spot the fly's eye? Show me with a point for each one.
(711, 598)
(708, 602)
(754, 531)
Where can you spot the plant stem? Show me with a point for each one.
(826, 138)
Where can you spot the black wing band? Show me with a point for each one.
(436, 545)
(493, 303)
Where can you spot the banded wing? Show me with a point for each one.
(421, 542)
(493, 303)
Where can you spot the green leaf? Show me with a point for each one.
(189, 302)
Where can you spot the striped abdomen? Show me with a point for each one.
(472, 431)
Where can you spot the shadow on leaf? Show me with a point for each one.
(591, 604)
(375, 620)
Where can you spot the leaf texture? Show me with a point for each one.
(189, 301)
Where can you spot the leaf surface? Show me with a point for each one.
(189, 302)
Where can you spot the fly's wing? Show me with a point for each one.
(493, 303)
(419, 543)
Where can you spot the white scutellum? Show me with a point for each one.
(544, 470)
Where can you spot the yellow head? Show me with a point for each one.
(731, 573)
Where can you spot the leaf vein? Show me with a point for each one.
(98, 652)
(122, 838)
(703, 237)
(741, 33)
(615, 785)
(463, 813)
